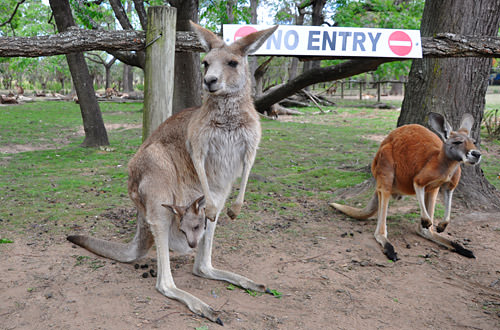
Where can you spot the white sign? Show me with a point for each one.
(301, 40)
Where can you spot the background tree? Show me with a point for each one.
(187, 84)
(93, 125)
(107, 64)
(454, 86)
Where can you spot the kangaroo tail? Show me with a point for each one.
(137, 248)
(356, 213)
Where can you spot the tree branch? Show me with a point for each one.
(443, 45)
(77, 40)
(98, 60)
(316, 75)
(20, 2)
(141, 12)
(120, 14)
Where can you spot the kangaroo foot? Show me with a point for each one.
(426, 223)
(441, 227)
(458, 248)
(389, 252)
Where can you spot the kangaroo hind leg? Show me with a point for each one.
(160, 224)
(381, 230)
(447, 195)
(203, 263)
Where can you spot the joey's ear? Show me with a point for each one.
(466, 123)
(207, 38)
(175, 209)
(199, 203)
(440, 125)
(249, 44)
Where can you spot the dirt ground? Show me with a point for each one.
(330, 270)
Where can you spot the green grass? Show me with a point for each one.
(63, 185)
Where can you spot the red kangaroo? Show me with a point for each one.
(412, 160)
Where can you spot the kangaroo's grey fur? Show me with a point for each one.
(198, 151)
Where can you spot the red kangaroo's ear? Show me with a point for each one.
(207, 38)
(466, 123)
(249, 44)
(440, 125)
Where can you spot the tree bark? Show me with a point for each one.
(128, 78)
(452, 86)
(187, 74)
(93, 125)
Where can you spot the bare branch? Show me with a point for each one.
(443, 45)
(20, 2)
(70, 41)
(141, 12)
(98, 60)
(120, 14)
(315, 75)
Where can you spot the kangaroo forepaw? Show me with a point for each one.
(426, 223)
(458, 248)
(389, 252)
(211, 212)
(441, 227)
(234, 211)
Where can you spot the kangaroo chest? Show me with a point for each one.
(226, 149)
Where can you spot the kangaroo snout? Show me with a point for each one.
(210, 83)
(473, 157)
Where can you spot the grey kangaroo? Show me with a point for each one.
(412, 160)
(198, 151)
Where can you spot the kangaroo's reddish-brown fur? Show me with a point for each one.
(412, 160)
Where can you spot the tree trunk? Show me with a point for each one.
(187, 75)
(252, 60)
(128, 78)
(299, 20)
(128, 74)
(454, 86)
(108, 77)
(316, 20)
(93, 125)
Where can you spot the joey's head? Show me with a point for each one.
(191, 220)
(226, 66)
(458, 145)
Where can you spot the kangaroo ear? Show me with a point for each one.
(440, 125)
(199, 203)
(466, 123)
(174, 209)
(249, 44)
(207, 38)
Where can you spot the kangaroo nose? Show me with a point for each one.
(210, 80)
(475, 153)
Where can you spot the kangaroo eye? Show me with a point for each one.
(197, 227)
(205, 64)
(232, 64)
(457, 142)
